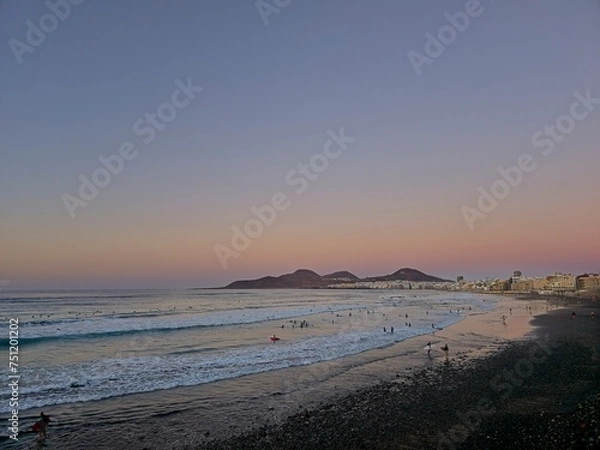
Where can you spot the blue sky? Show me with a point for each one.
(423, 144)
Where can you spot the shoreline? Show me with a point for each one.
(278, 396)
(467, 404)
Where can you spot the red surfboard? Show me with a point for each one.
(37, 426)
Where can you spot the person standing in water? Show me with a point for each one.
(41, 426)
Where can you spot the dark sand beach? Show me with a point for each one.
(542, 392)
(531, 381)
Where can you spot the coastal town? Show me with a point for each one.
(568, 285)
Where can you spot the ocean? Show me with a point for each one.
(81, 353)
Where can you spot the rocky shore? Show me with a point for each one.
(541, 393)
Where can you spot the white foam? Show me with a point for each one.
(64, 381)
(113, 377)
(103, 325)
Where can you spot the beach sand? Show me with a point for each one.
(505, 386)
(390, 398)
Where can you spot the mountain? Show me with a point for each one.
(307, 279)
(300, 279)
(407, 274)
(342, 276)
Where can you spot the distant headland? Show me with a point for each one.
(308, 279)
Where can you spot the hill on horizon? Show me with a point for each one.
(408, 274)
(342, 275)
(308, 279)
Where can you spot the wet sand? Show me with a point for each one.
(538, 391)
(335, 403)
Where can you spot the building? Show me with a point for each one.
(522, 284)
(499, 285)
(588, 282)
(539, 284)
(560, 282)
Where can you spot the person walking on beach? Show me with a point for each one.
(428, 347)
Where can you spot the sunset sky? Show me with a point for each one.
(275, 88)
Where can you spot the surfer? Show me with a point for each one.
(428, 347)
(41, 426)
(274, 339)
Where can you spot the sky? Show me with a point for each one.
(247, 138)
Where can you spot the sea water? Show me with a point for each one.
(92, 345)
